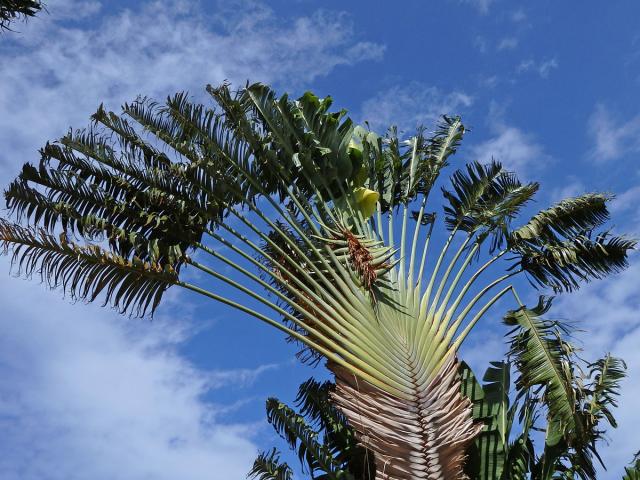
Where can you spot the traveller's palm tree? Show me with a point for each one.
(333, 222)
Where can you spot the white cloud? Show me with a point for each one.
(484, 345)
(480, 43)
(481, 5)
(542, 68)
(515, 149)
(85, 394)
(612, 137)
(88, 394)
(54, 74)
(408, 106)
(239, 376)
(508, 43)
(571, 187)
(519, 16)
(71, 9)
(490, 81)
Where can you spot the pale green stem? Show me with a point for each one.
(369, 312)
(454, 347)
(460, 318)
(423, 262)
(379, 222)
(412, 260)
(403, 240)
(427, 294)
(329, 285)
(346, 281)
(430, 321)
(292, 222)
(403, 235)
(456, 280)
(435, 339)
(334, 303)
(445, 277)
(394, 274)
(468, 285)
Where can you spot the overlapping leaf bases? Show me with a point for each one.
(263, 196)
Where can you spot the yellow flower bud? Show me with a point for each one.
(366, 201)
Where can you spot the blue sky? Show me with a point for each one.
(547, 88)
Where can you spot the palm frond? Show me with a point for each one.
(314, 403)
(488, 453)
(563, 265)
(127, 202)
(567, 218)
(559, 248)
(520, 459)
(304, 440)
(436, 150)
(85, 272)
(606, 374)
(487, 198)
(632, 472)
(267, 466)
(542, 359)
(547, 366)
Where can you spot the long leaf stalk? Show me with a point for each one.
(405, 215)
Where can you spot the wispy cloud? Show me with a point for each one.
(571, 187)
(56, 73)
(516, 149)
(542, 67)
(482, 6)
(480, 43)
(410, 105)
(612, 137)
(628, 202)
(88, 394)
(240, 377)
(519, 16)
(507, 43)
